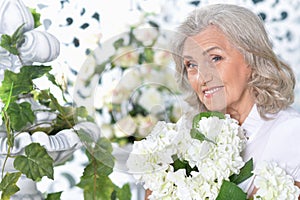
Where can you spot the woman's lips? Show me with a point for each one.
(210, 91)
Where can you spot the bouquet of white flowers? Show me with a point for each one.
(200, 163)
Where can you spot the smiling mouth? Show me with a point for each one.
(210, 91)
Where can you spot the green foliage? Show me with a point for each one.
(15, 91)
(100, 150)
(54, 196)
(8, 185)
(119, 43)
(183, 164)
(36, 17)
(8, 44)
(231, 191)
(199, 136)
(36, 163)
(122, 193)
(95, 180)
(245, 173)
(11, 43)
(16, 84)
(20, 115)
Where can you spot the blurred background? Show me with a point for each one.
(106, 65)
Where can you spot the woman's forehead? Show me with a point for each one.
(209, 39)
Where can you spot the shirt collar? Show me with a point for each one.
(252, 123)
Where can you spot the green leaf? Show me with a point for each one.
(17, 36)
(198, 117)
(119, 43)
(148, 55)
(21, 85)
(231, 191)
(11, 43)
(153, 24)
(245, 173)
(20, 115)
(34, 71)
(123, 193)
(53, 196)
(8, 185)
(36, 163)
(199, 136)
(100, 150)
(95, 179)
(7, 44)
(183, 164)
(36, 17)
(97, 167)
(178, 164)
(22, 81)
(96, 187)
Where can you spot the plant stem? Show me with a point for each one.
(9, 141)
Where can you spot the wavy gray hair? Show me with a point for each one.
(272, 80)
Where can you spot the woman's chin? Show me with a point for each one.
(216, 107)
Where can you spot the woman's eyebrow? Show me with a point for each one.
(188, 57)
(210, 49)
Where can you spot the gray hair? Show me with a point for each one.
(272, 80)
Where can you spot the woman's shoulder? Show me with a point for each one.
(289, 119)
(283, 143)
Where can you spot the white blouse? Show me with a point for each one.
(276, 139)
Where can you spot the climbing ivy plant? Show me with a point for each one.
(19, 116)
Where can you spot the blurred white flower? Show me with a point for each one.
(151, 99)
(145, 124)
(143, 87)
(162, 57)
(152, 74)
(110, 94)
(131, 79)
(126, 56)
(107, 131)
(146, 34)
(126, 125)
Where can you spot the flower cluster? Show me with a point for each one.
(274, 183)
(138, 87)
(176, 164)
(204, 163)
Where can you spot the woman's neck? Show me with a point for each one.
(240, 113)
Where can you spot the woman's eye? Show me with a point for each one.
(190, 65)
(216, 58)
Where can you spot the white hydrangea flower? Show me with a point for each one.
(153, 157)
(222, 158)
(274, 183)
(155, 151)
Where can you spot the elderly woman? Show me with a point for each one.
(225, 62)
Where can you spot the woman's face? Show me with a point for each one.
(217, 71)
